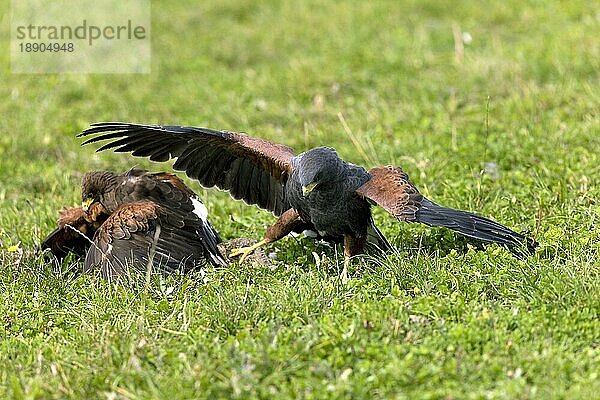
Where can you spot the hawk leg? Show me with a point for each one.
(284, 225)
(352, 247)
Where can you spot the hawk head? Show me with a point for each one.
(319, 167)
(95, 186)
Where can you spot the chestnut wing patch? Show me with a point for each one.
(391, 188)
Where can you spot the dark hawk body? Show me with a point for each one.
(141, 233)
(333, 207)
(315, 190)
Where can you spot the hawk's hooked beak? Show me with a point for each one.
(308, 188)
(86, 204)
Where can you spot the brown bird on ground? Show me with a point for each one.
(134, 219)
(314, 190)
(165, 190)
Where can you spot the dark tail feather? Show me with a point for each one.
(376, 242)
(211, 239)
(472, 225)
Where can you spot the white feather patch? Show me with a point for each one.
(200, 209)
(307, 233)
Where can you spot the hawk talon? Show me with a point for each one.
(246, 251)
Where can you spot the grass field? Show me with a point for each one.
(493, 109)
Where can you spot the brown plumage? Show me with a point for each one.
(166, 190)
(402, 202)
(141, 233)
(133, 218)
(315, 190)
(75, 231)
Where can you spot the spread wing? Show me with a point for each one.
(251, 169)
(139, 231)
(391, 188)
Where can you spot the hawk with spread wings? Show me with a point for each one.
(314, 190)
